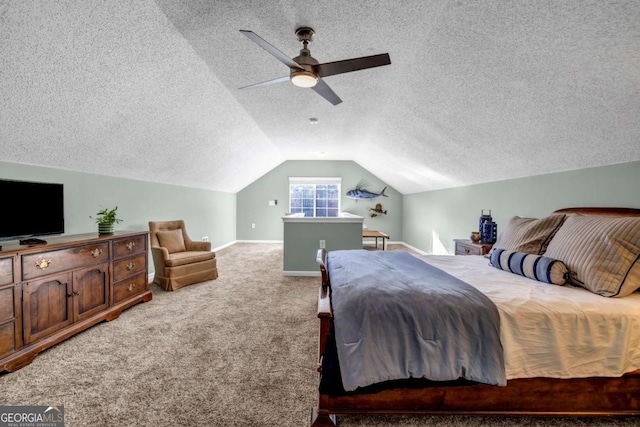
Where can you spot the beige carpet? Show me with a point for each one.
(237, 351)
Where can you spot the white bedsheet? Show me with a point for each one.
(554, 331)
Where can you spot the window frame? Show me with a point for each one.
(315, 182)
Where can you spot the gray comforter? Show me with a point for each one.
(397, 317)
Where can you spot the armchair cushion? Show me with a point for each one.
(183, 258)
(172, 240)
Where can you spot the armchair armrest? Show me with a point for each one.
(159, 255)
(199, 246)
(161, 252)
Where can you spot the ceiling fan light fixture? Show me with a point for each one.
(304, 78)
(305, 71)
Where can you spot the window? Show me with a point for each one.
(315, 197)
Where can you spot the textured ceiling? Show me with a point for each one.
(477, 91)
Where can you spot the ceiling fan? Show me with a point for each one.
(306, 72)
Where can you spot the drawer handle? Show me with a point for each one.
(131, 266)
(467, 250)
(131, 245)
(96, 252)
(43, 263)
(131, 287)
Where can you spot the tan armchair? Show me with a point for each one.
(178, 260)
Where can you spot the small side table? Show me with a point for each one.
(467, 247)
(377, 235)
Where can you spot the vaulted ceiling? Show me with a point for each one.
(477, 91)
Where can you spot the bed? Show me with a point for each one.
(581, 358)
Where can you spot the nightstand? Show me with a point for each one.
(467, 247)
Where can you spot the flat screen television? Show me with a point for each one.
(30, 209)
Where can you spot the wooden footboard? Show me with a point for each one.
(527, 396)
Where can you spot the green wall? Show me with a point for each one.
(428, 221)
(253, 200)
(431, 220)
(301, 243)
(206, 213)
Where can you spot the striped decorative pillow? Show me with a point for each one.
(536, 267)
(603, 251)
(530, 235)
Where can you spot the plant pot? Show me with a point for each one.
(105, 228)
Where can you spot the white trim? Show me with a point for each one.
(223, 246)
(258, 241)
(389, 242)
(421, 252)
(301, 273)
(369, 243)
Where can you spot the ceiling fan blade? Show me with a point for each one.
(323, 89)
(271, 49)
(355, 64)
(268, 82)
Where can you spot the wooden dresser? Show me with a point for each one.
(467, 247)
(50, 292)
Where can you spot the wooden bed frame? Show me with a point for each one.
(595, 396)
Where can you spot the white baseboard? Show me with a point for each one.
(258, 241)
(421, 252)
(369, 241)
(223, 246)
(301, 273)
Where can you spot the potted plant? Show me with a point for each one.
(105, 219)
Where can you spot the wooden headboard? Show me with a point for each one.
(600, 211)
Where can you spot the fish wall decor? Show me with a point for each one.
(377, 211)
(361, 193)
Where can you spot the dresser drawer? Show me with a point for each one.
(462, 249)
(6, 271)
(467, 247)
(128, 288)
(45, 263)
(6, 304)
(7, 338)
(128, 246)
(129, 267)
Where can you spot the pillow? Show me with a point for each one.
(603, 251)
(530, 235)
(172, 240)
(536, 267)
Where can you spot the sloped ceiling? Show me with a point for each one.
(477, 91)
